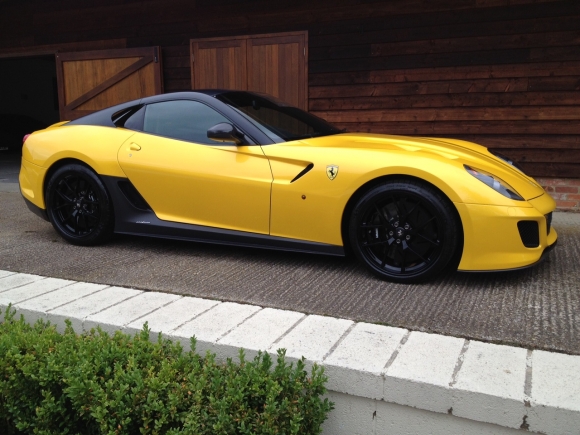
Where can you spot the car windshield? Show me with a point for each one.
(279, 121)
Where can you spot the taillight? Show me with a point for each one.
(24, 138)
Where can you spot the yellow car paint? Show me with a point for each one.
(31, 182)
(94, 145)
(218, 186)
(319, 216)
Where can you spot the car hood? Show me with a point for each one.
(460, 151)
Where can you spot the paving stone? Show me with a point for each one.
(313, 338)
(17, 280)
(32, 290)
(173, 315)
(78, 310)
(357, 364)
(117, 316)
(259, 332)
(4, 273)
(490, 384)
(420, 374)
(36, 308)
(213, 324)
(555, 393)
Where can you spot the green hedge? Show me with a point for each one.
(94, 383)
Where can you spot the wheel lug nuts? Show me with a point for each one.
(390, 233)
(396, 224)
(407, 226)
(398, 241)
(408, 237)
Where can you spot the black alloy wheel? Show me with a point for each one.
(78, 206)
(404, 231)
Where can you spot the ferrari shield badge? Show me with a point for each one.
(332, 171)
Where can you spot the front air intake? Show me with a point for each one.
(529, 233)
(548, 222)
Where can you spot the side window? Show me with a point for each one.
(182, 119)
(135, 121)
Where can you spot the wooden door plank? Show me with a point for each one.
(108, 83)
(92, 80)
(218, 63)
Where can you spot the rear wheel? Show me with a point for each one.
(78, 206)
(404, 231)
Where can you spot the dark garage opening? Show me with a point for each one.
(29, 98)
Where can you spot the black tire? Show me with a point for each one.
(404, 231)
(78, 206)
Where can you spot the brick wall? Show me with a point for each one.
(566, 192)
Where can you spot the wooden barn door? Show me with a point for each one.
(219, 63)
(93, 80)
(276, 64)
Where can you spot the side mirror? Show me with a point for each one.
(226, 132)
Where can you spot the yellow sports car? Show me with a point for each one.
(245, 169)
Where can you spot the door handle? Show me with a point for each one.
(134, 147)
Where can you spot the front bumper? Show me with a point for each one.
(492, 241)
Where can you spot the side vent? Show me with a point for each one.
(302, 172)
(530, 233)
(132, 195)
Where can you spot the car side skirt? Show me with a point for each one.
(134, 217)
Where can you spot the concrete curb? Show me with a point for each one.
(384, 380)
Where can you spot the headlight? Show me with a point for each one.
(495, 183)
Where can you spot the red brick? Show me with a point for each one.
(574, 197)
(566, 204)
(547, 181)
(558, 181)
(566, 189)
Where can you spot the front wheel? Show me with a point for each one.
(404, 231)
(78, 205)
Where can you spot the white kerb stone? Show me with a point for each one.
(4, 273)
(313, 338)
(16, 280)
(213, 325)
(36, 308)
(490, 384)
(555, 393)
(356, 366)
(123, 313)
(420, 374)
(173, 315)
(78, 310)
(257, 333)
(32, 290)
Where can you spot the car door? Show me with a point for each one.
(186, 177)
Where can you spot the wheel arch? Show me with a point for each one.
(397, 177)
(99, 205)
(59, 164)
